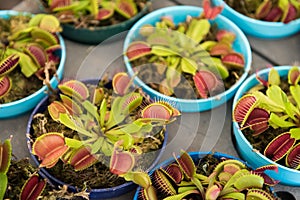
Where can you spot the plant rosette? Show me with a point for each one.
(32, 60)
(97, 132)
(93, 21)
(266, 115)
(187, 55)
(264, 19)
(205, 175)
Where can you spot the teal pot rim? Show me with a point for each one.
(241, 45)
(285, 175)
(25, 104)
(195, 156)
(99, 34)
(259, 28)
(94, 193)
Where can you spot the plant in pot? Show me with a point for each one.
(264, 19)
(203, 175)
(193, 57)
(91, 141)
(266, 117)
(20, 180)
(93, 21)
(32, 60)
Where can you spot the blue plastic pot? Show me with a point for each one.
(96, 35)
(95, 194)
(285, 175)
(196, 156)
(23, 105)
(259, 28)
(179, 14)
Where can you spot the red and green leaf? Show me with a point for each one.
(5, 85)
(33, 188)
(121, 82)
(49, 148)
(121, 162)
(8, 64)
(279, 146)
(74, 88)
(5, 155)
(137, 50)
(82, 158)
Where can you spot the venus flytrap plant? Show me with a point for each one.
(194, 49)
(89, 13)
(27, 53)
(277, 109)
(115, 129)
(228, 179)
(273, 11)
(20, 180)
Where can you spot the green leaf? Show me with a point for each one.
(291, 110)
(207, 45)
(274, 78)
(279, 121)
(28, 66)
(234, 195)
(69, 122)
(140, 178)
(249, 181)
(181, 195)
(3, 185)
(284, 5)
(163, 51)
(115, 115)
(91, 108)
(73, 143)
(216, 66)
(188, 65)
(96, 146)
(127, 139)
(107, 148)
(295, 133)
(276, 94)
(295, 91)
(198, 29)
(266, 103)
(233, 179)
(103, 108)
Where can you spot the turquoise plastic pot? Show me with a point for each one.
(196, 156)
(28, 103)
(259, 28)
(95, 194)
(99, 34)
(179, 14)
(285, 175)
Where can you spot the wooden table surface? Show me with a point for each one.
(205, 131)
